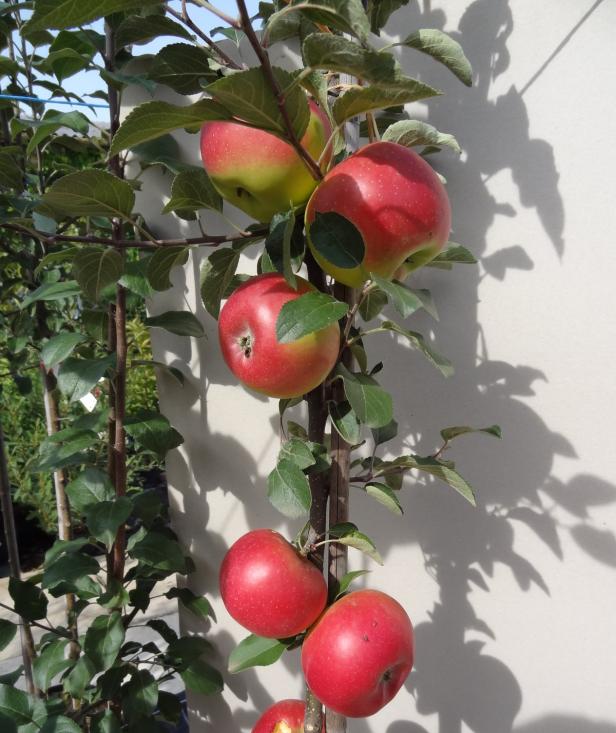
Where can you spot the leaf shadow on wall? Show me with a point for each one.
(454, 678)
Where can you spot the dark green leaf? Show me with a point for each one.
(72, 571)
(298, 452)
(62, 547)
(288, 489)
(387, 432)
(90, 487)
(385, 495)
(160, 552)
(345, 422)
(347, 16)
(104, 518)
(153, 119)
(200, 677)
(153, 432)
(162, 262)
(60, 724)
(414, 132)
(182, 66)
(52, 291)
(309, 313)
(95, 269)
(441, 470)
(7, 633)
(68, 13)
(59, 347)
(249, 96)
(137, 29)
(182, 323)
(108, 723)
(26, 711)
(135, 277)
(373, 303)
(372, 405)
(358, 100)
(170, 706)
(192, 191)
(163, 628)
(78, 678)
(347, 533)
(11, 173)
(444, 49)
(195, 604)
(76, 377)
(255, 651)
(381, 10)
(49, 663)
(29, 600)
(451, 433)
(337, 240)
(420, 343)
(403, 299)
(347, 579)
(89, 193)
(139, 695)
(104, 638)
(216, 275)
(454, 253)
(64, 449)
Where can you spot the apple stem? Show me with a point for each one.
(263, 57)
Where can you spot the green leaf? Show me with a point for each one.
(59, 14)
(153, 119)
(170, 707)
(403, 299)
(73, 572)
(334, 53)
(165, 368)
(27, 712)
(345, 422)
(414, 132)
(90, 487)
(88, 193)
(442, 48)
(454, 253)
(288, 490)
(420, 343)
(160, 552)
(62, 547)
(108, 723)
(359, 100)
(197, 605)
(52, 291)
(372, 405)
(54, 120)
(76, 377)
(192, 190)
(387, 432)
(162, 262)
(182, 323)
(95, 269)
(153, 431)
(49, 663)
(28, 599)
(381, 11)
(7, 633)
(104, 637)
(309, 313)
(451, 433)
(60, 724)
(442, 470)
(347, 579)
(200, 677)
(59, 347)
(384, 495)
(182, 67)
(347, 16)
(298, 452)
(135, 277)
(78, 678)
(337, 240)
(373, 303)
(64, 448)
(137, 29)
(248, 95)
(255, 651)
(216, 275)
(104, 518)
(348, 534)
(139, 695)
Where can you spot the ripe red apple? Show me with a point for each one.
(395, 200)
(268, 587)
(259, 172)
(359, 653)
(247, 333)
(286, 716)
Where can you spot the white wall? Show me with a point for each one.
(513, 602)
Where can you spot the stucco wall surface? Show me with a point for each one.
(513, 602)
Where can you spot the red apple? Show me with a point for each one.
(286, 716)
(247, 333)
(359, 653)
(269, 588)
(395, 200)
(259, 172)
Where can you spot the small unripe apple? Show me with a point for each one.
(359, 653)
(286, 716)
(269, 588)
(395, 200)
(259, 172)
(247, 334)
